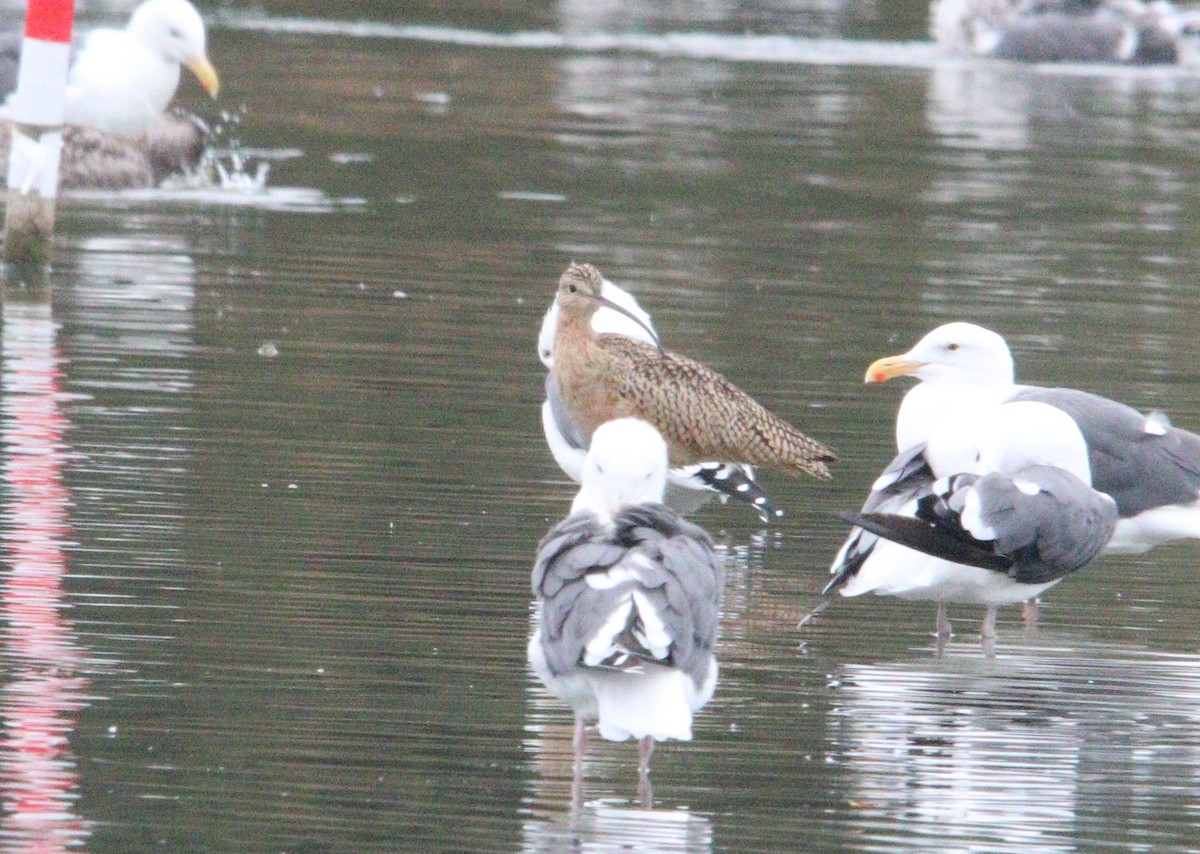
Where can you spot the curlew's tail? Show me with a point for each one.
(805, 454)
(769, 440)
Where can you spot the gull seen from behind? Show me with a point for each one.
(627, 602)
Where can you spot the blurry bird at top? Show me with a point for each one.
(120, 85)
(1122, 31)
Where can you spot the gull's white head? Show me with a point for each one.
(958, 352)
(604, 320)
(626, 464)
(175, 30)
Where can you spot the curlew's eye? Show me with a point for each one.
(572, 289)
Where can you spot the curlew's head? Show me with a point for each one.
(581, 294)
(579, 288)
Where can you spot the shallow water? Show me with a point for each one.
(274, 470)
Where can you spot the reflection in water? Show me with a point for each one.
(991, 117)
(601, 827)
(129, 313)
(998, 106)
(1015, 751)
(38, 774)
(234, 195)
(564, 819)
(1003, 130)
(749, 610)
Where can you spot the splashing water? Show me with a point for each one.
(230, 163)
(236, 175)
(230, 174)
(226, 164)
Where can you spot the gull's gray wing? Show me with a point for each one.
(905, 481)
(1061, 527)
(1036, 526)
(1057, 37)
(562, 420)
(1139, 461)
(693, 578)
(649, 561)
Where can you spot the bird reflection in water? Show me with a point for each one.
(1015, 754)
(600, 826)
(45, 689)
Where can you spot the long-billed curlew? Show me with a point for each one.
(686, 485)
(702, 415)
(628, 601)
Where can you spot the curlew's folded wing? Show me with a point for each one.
(704, 416)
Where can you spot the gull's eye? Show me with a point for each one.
(952, 347)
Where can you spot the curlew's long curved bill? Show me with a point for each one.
(607, 303)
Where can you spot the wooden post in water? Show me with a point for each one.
(38, 108)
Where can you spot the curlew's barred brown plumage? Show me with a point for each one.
(702, 415)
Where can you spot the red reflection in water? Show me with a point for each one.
(43, 692)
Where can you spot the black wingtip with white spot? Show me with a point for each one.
(738, 482)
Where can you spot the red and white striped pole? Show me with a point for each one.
(37, 123)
